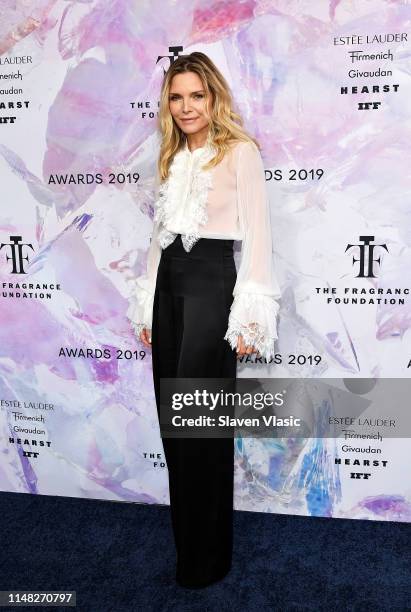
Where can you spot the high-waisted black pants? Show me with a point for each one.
(192, 302)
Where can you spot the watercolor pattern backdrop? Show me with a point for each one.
(79, 86)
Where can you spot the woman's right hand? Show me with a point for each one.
(145, 337)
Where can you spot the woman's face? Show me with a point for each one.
(187, 103)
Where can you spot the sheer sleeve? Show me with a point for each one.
(140, 310)
(255, 308)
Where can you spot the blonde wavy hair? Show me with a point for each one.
(225, 126)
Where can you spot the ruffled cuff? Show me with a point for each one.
(254, 316)
(140, 310)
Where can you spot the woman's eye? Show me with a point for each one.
(172, 98)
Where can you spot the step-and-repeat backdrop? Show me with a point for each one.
(325, 87)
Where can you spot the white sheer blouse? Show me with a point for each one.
(229, 201)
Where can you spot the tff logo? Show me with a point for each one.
(17, 256)
(366, 260)
(175, 51)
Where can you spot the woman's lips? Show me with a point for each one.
(188, 120)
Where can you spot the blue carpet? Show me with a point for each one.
(120, 557)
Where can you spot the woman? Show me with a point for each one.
(192, 307)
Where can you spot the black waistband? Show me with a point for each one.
(204, 247)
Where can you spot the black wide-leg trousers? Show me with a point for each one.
(191, 307)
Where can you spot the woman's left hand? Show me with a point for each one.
(244, 349)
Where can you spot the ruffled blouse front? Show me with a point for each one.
(229, 201)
